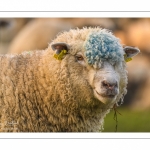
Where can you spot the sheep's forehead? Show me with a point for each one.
(102, 45)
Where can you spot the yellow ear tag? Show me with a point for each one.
(126, 58)
(60, 55)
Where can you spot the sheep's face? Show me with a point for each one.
(101, 65)
(107, 78)
(107, 75)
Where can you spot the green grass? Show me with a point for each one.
(128, 121)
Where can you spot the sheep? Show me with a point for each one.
(139, 82)
(37, 34)
(69, 87)
(136, 31)
(9, 28)
(40, 31)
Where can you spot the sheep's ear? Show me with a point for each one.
(60, 46)
(130, 52)
(61, 49)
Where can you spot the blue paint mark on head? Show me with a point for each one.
(103, 45)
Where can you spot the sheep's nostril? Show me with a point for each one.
(104, 83)
(109, 85)
(4, 23)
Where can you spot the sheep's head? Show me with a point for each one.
(101, 59)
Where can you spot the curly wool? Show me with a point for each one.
(44, 97)
(42, 94)
(103, 45)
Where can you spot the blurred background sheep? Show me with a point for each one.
(20, 34)
(9, 28)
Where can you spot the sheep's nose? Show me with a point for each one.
(4, 23)
(109, 85)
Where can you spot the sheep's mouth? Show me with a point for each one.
(105, 95)
(104, 98)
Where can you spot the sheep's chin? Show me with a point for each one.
(103, 98)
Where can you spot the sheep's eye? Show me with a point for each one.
(79, 57)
